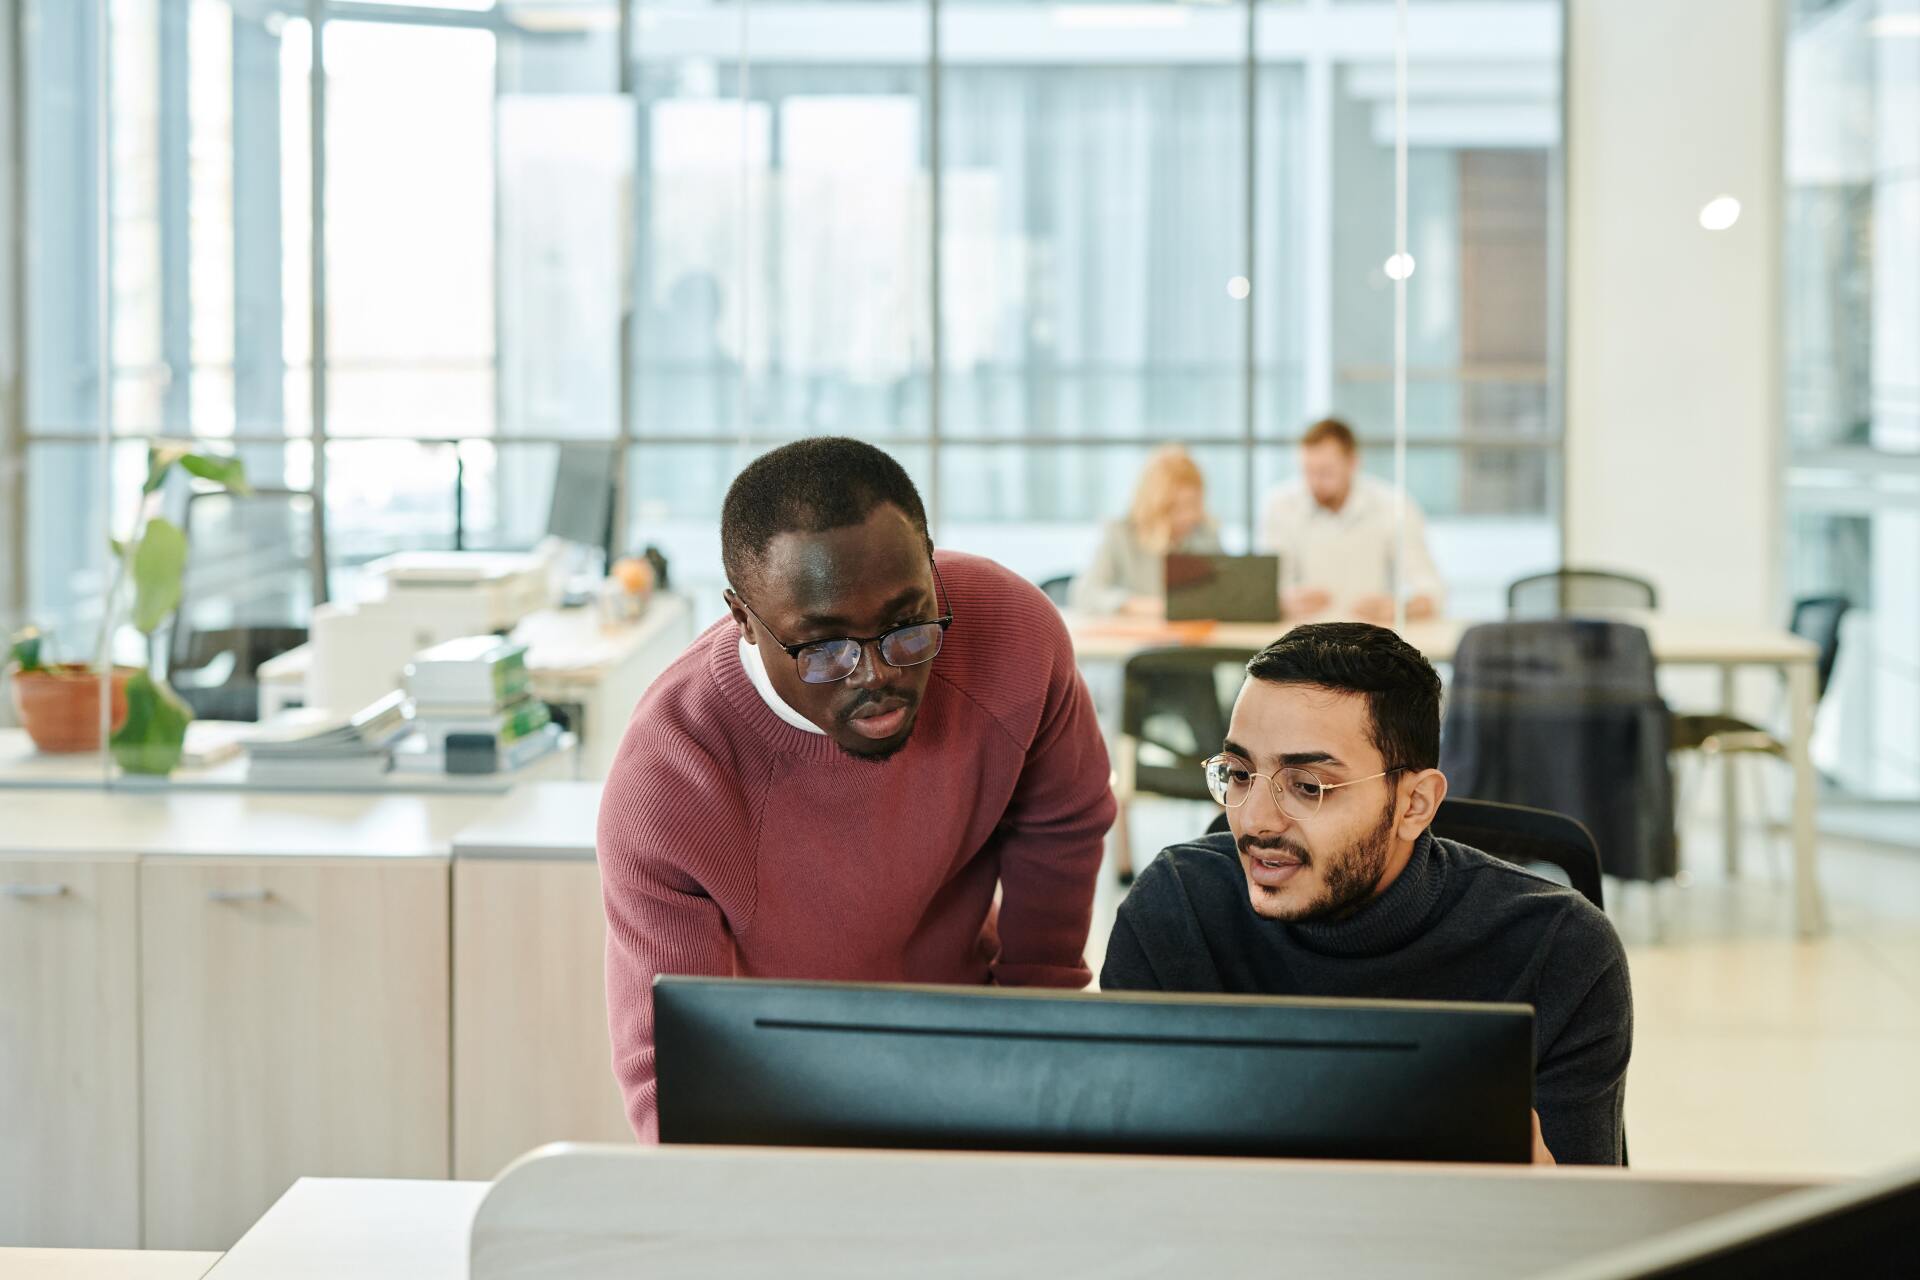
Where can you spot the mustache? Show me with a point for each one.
(1249, 843)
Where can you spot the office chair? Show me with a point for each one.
(1549, 844)
(1570, 591)
(256, 567)
(1057, 588)
(1540, 840)
(1565, 715)
(1729, 739)
(1174, 707)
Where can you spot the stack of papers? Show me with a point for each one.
(473, 671)
(311, 747)
(473, 710)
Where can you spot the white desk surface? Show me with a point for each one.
(570, 646)
(1676, 640)
(680, 1212)
(535, 821)
(365, 1228)
(22, 765)
(103, 1264)
(121, 825)
(538, 822)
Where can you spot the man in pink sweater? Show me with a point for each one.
(834, 780)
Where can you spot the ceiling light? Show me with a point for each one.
(1720, 213)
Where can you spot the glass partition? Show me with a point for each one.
(1852, 383)
(395, 257)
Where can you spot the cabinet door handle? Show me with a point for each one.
(33, 890)
(239, 895)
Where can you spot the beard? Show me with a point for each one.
(877, 756)
(1351, 875)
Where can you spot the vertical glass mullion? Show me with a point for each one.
(935, 188)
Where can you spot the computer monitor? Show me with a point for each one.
(848, 1065)
(582, 508)
(1218, 588)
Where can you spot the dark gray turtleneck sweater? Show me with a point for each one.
(1457, 924)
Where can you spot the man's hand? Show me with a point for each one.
(1420, 608)
(1375, 609)
(1540, 1153)
(1304, 602)
(1144, 607)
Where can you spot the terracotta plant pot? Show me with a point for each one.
(59, 706)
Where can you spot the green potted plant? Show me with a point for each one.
(60, 705)
(154, 559)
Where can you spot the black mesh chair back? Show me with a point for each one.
(1570, 591)
(1175, 703)
(1818, 618)
(1057, 588)
(1565, 716)
(256, 567)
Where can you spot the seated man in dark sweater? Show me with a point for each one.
(1330, 884)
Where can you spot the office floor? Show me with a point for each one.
(1754, 1051)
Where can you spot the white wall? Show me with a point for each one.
(1672, 331)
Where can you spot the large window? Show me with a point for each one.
(1853, 371)
(1018, 243)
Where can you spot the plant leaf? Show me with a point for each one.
(161, 455)
(159, 562)
(229, 473)
(155, 731)
(26, 648)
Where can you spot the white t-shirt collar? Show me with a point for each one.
(756, 669)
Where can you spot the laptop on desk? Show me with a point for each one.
(1222, 588)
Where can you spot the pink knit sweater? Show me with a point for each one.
(732, 843)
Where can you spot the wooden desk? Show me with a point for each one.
(531, 1052)
(588, 1212)
(213, 993)
(598, 673)
(103, 1264)
(1676, 642)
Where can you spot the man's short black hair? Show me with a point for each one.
(1401, 687)
(809, 486)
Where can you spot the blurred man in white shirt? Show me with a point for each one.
(1334, 532)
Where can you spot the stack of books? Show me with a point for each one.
(309, 747)
(472, 695)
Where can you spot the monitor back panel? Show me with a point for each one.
(824, 1064)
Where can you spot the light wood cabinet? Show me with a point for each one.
(69, 1054)
(294, 1020)
(532, 1062)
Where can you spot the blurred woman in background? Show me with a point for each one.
(1128, 573)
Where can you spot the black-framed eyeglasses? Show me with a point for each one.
(825, 661)
(1296, 792)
